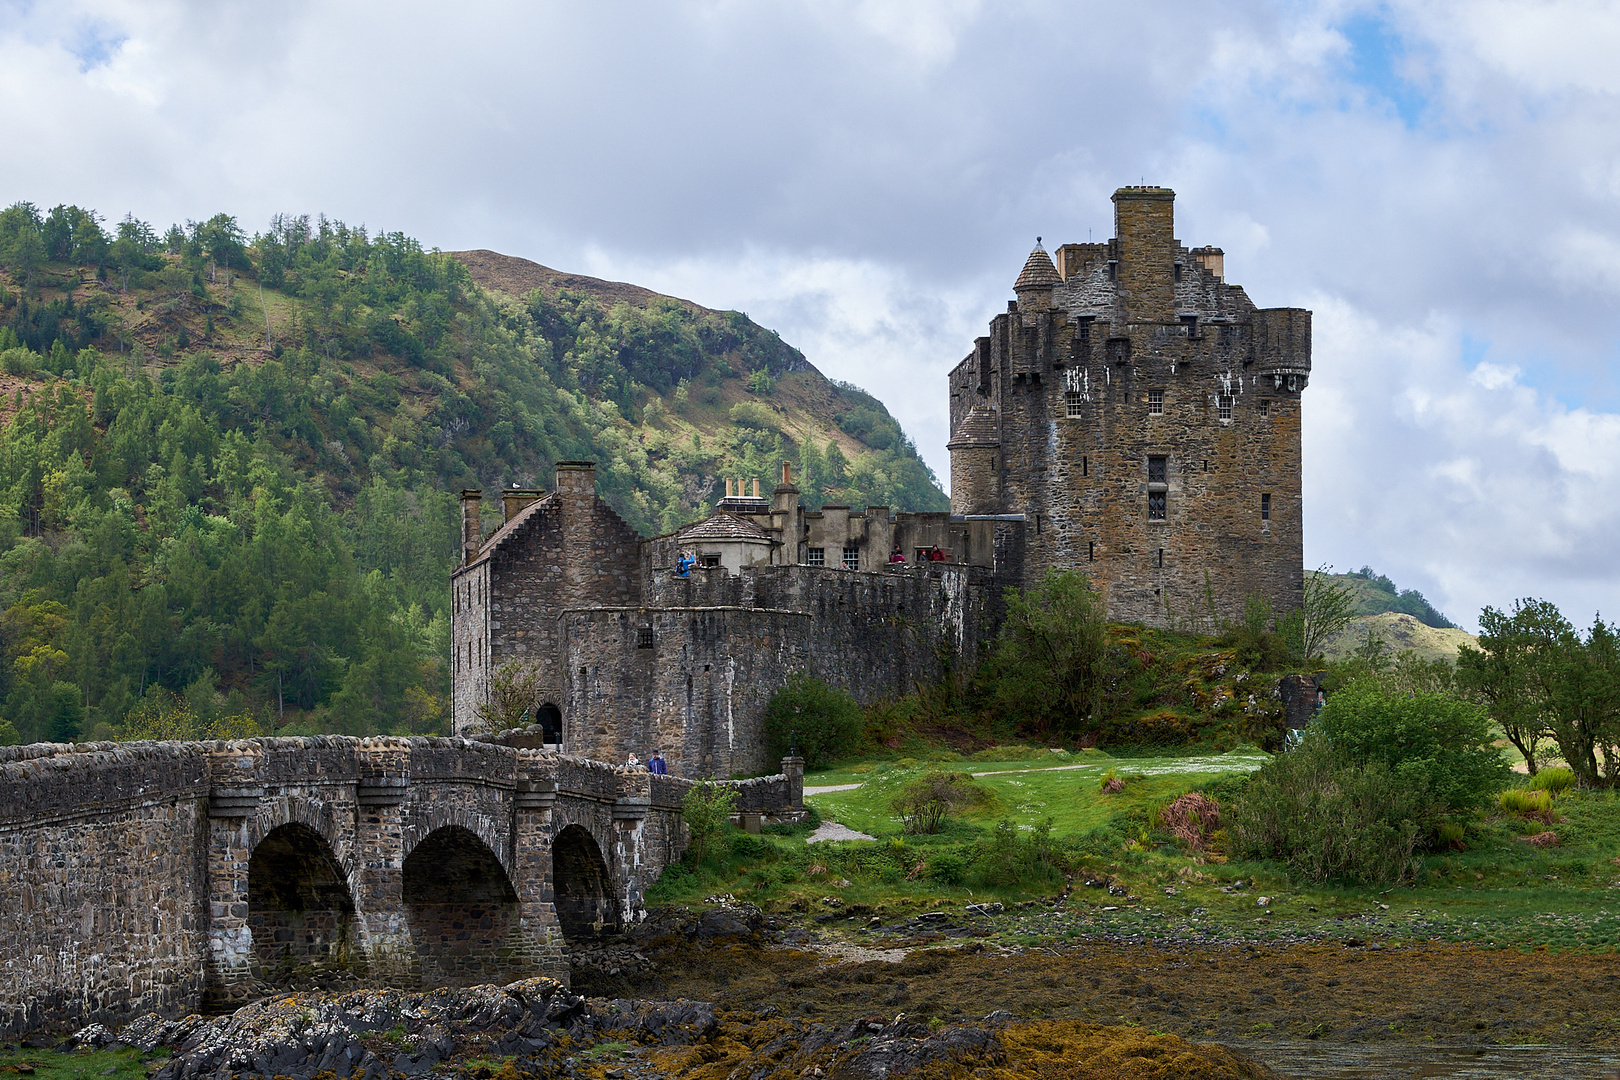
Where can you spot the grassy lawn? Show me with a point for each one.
(1499, 890)
(125, 1064)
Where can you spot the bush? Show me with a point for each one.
(1555, 780)
(1011, 858)
(1053, 664)
(707, 812)
(1432, 740)
(947, 868)
(1526, 802)
(925, 803)
(821, 720)
(1192, 819)
(1329, 815)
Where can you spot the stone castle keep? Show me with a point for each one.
(1131, 415)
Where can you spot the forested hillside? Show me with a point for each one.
(227, 462)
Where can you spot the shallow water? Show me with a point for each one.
(1318, 1061)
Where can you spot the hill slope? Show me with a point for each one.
(226, 464)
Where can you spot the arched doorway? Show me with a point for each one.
(300, 911)
(550, 720)
(462, 912)
(581, 887)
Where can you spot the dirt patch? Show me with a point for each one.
(519, 277)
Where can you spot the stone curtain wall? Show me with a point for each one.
(101, 882)
(692, 676)
(127, 871)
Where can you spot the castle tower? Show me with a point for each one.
(1143, 417)
(974, 447)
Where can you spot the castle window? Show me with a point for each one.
(644, 638)
(1157, 469)
(709, 558)
(817, 557)
(1072, 402)
(1091, 551)
(1225, 406)
(1156, 507)
(1189, 323)
(852, 557)
(1119, 350)
(1265, 506)
(1155, 402)
(1085, 466)
(1082, 332)
(1265, 407)
(1178, 271)
(1161, 558)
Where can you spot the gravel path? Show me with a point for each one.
(831, 830)
(824, 788)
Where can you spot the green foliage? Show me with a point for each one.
(707, 812)
(1540, 679)
(514, 697)
(1525, 801)
(1376, 594)
(284, 523)
(1009, 857)
(1327, 609)
(926, 803)
(822, 721)
(1555, 780)
(1432, 740)
(1329, 816)
(947, 868)
(1053, 665)
(9, 736)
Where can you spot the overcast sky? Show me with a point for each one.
(1439, 181)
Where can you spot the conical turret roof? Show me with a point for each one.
(978, 428)
(1039, 273)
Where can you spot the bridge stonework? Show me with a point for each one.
(149, 876)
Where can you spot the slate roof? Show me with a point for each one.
(1039, 273)
(723, 527)
(978, 428)
(504, 533)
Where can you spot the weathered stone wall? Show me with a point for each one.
(692, 674)
(141, 876)
(102, 908)
(569, 549)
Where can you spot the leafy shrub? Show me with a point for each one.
(925, 803)
(947, 868)
(1054, 665)
(821, 720)
(707, 812)
(1443, 744)
(1329, 815)
(1526, 802)
(1011, 858)
(1555, 779)
(1111, 782)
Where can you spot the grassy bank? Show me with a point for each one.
(1497, 889)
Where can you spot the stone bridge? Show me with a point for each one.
(150, 876)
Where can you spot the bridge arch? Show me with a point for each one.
(423, 821)
(582, 887)
(462, 911)
(316, 814)
(300, 909)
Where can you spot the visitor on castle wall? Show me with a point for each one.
(633, 762)
(935, 555)
(897, 555)
(683, 565)
(655, 764)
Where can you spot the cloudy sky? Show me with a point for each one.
(1439, 181)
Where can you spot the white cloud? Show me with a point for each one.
(867, 176)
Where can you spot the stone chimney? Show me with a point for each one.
(576, 477)
(1144, 223)
(786, 495)
(472, 526)
(514, 499)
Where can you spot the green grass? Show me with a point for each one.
(125, 1064)
(1063, 787)
(1498, 891)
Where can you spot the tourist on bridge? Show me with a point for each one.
(655, 764)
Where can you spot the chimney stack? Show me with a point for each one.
(472, 526)
(514, 499)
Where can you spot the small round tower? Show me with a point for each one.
(975, 448)
(1036, 281)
